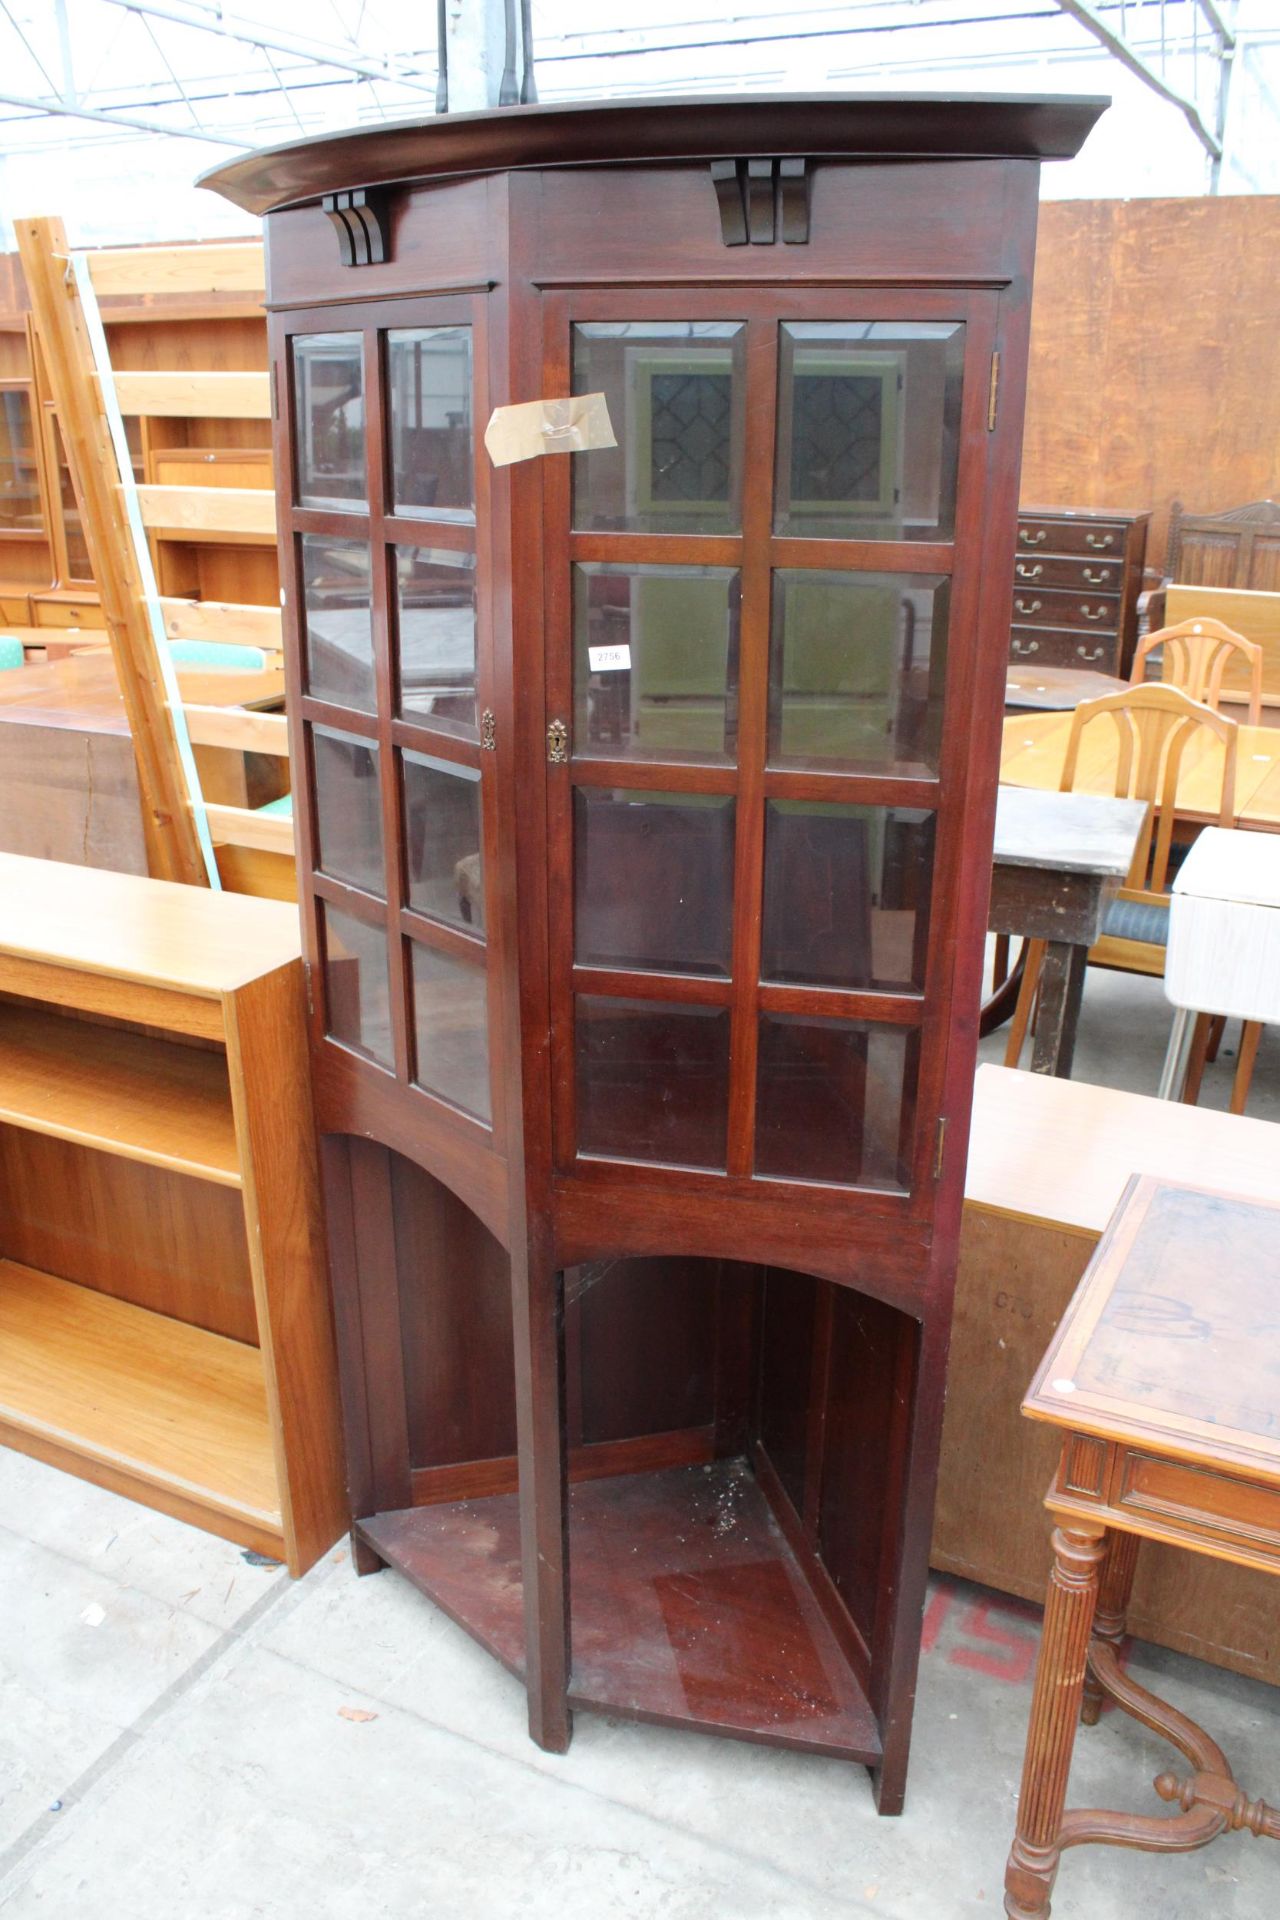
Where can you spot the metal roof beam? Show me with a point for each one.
(1121, 50)
(1213, 14)
(230, 27)
(58, 110)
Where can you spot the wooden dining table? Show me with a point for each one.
(1035, 745)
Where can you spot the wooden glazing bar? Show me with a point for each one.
(657, 549)
(863, 556)
(853, 789)
(360, 905)
(421, 738)
(654, 776)
(411, 530)
(323, 713)
(755, 620)
(831, 1003)
(688, 989)
(452, 940)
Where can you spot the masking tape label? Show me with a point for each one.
(537, 427)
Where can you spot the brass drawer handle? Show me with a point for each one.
(1027, 606)
(1097, 576)
(557, 743)
(1031, 539)
(1091, 653)
(1024, 572)
(1099, 541)
(1026, 646)
(1098, 613)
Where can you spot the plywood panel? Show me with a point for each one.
(1155, 357)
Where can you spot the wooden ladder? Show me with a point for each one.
(167, 716)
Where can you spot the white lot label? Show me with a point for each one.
(609, 659)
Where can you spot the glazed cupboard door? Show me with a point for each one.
(392, 666)
(760, 642)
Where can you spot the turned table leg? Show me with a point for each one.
(1114, 1589)
(1055, 1712)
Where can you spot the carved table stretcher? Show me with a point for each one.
(1164, 1377)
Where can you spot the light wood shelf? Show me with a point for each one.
(138, 1400)
(150, 1100)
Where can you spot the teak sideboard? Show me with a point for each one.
(165, 1329)
(645, 843)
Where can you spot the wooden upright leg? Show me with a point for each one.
(1250, 1035)
(1061, 992)
(1196, 1059)
(537, 1291)
(1055, 1714)
(1114, 1589)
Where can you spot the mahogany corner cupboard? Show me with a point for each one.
(645, 798)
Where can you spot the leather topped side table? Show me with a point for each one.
(1164, 1377)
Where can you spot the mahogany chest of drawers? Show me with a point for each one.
(1076, 580)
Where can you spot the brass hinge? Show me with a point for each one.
(941, 1147)
(993, 397)
(557, 743)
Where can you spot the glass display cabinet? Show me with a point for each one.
(645, 797)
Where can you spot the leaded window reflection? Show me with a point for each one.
(655, 661)
(676, 394)
(868, 429)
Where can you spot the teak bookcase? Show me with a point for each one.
(165, 1328)
(645, 800)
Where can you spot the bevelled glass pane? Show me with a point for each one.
(337, 621)
(834, 1101)
(846, 895)
(676, 391)
(357, 997)
(20, 510)
(429, 398)
(857, 670)
(655, 662)
(869, 429)
(442, 840)
(436, 618)
(348, 809)
(328, 397)
(653, 880)
(451, 1028)
(653, 1081)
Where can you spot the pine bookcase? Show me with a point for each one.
(164, 1321)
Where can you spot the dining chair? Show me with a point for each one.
(1197, 653)
(1154, 725)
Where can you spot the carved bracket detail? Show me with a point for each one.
(361, 221)
(756, 198)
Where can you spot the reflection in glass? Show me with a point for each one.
(655, 662)
(451, 1029)
(348, 809)
(442, 840)
(429, 388)
(338, 621)
(19, 481)
(653, 1081)
(654, 880)
(846, 895)
(675, 390)
(857, 670)
(356, 994)
(436, 619)
(328, 386)
(835, 1101)
(869, 429)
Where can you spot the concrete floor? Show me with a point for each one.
(186, 1736)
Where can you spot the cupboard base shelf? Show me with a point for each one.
(688, 1606)
(146, 1406)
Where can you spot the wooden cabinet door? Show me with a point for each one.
(761, 611)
